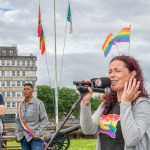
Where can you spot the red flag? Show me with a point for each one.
(39, 23)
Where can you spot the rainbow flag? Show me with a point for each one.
(107, 44)
(41, 33)
(42, 41)
(123, 35)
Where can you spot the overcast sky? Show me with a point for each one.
(92, 21)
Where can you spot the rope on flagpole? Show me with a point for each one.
(62, 62)
(129, 41)
(49, 78)
(47, 69)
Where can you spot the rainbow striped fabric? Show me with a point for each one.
(123, 35)
(108, 124)
(41, 33)
(107, 44)
(39, 22)
(42, 41)
(25, 127)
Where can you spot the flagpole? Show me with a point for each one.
(129, 41)
(117, 48)
(56, 88)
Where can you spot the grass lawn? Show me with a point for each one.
(83, 144)
(12, 143)
(75, 144)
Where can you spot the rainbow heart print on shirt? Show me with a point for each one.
(108, 124)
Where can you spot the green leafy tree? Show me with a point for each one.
(95, 103)
(67, 97)
(47, 95)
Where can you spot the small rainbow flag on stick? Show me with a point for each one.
(108, 44)
(123, 35)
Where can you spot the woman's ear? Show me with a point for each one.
(133, 73)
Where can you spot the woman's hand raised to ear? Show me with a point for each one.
(131, 90)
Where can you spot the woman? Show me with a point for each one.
(122, 121)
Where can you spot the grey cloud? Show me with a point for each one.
(80, 66)
(76, 67)
(92, 22)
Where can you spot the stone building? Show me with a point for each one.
(15, 70)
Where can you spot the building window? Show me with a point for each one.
(11, 52)
(13, 83)
(13, 94)
(4, 52)
(18, 62)
(8, 73)
(23, 73)
(14, 104)
(29, 73)
(18, 73)
(13, 73)
(23, 62)
(19, 94)
(18, 83)
(8, 83)
(3, 63)
(3, 83)
(8, 94)
(23, 82)
(33, 63)
(2, 73)
(7, 62)
(28, 63)
(13, 62)
(8, 104)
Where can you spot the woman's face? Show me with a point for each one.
(118, 74)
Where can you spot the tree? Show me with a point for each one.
(47, 95)
(66, 98)
(95, 103)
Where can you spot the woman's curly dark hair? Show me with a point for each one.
(131, 64)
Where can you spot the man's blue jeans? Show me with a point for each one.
(31, 145)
